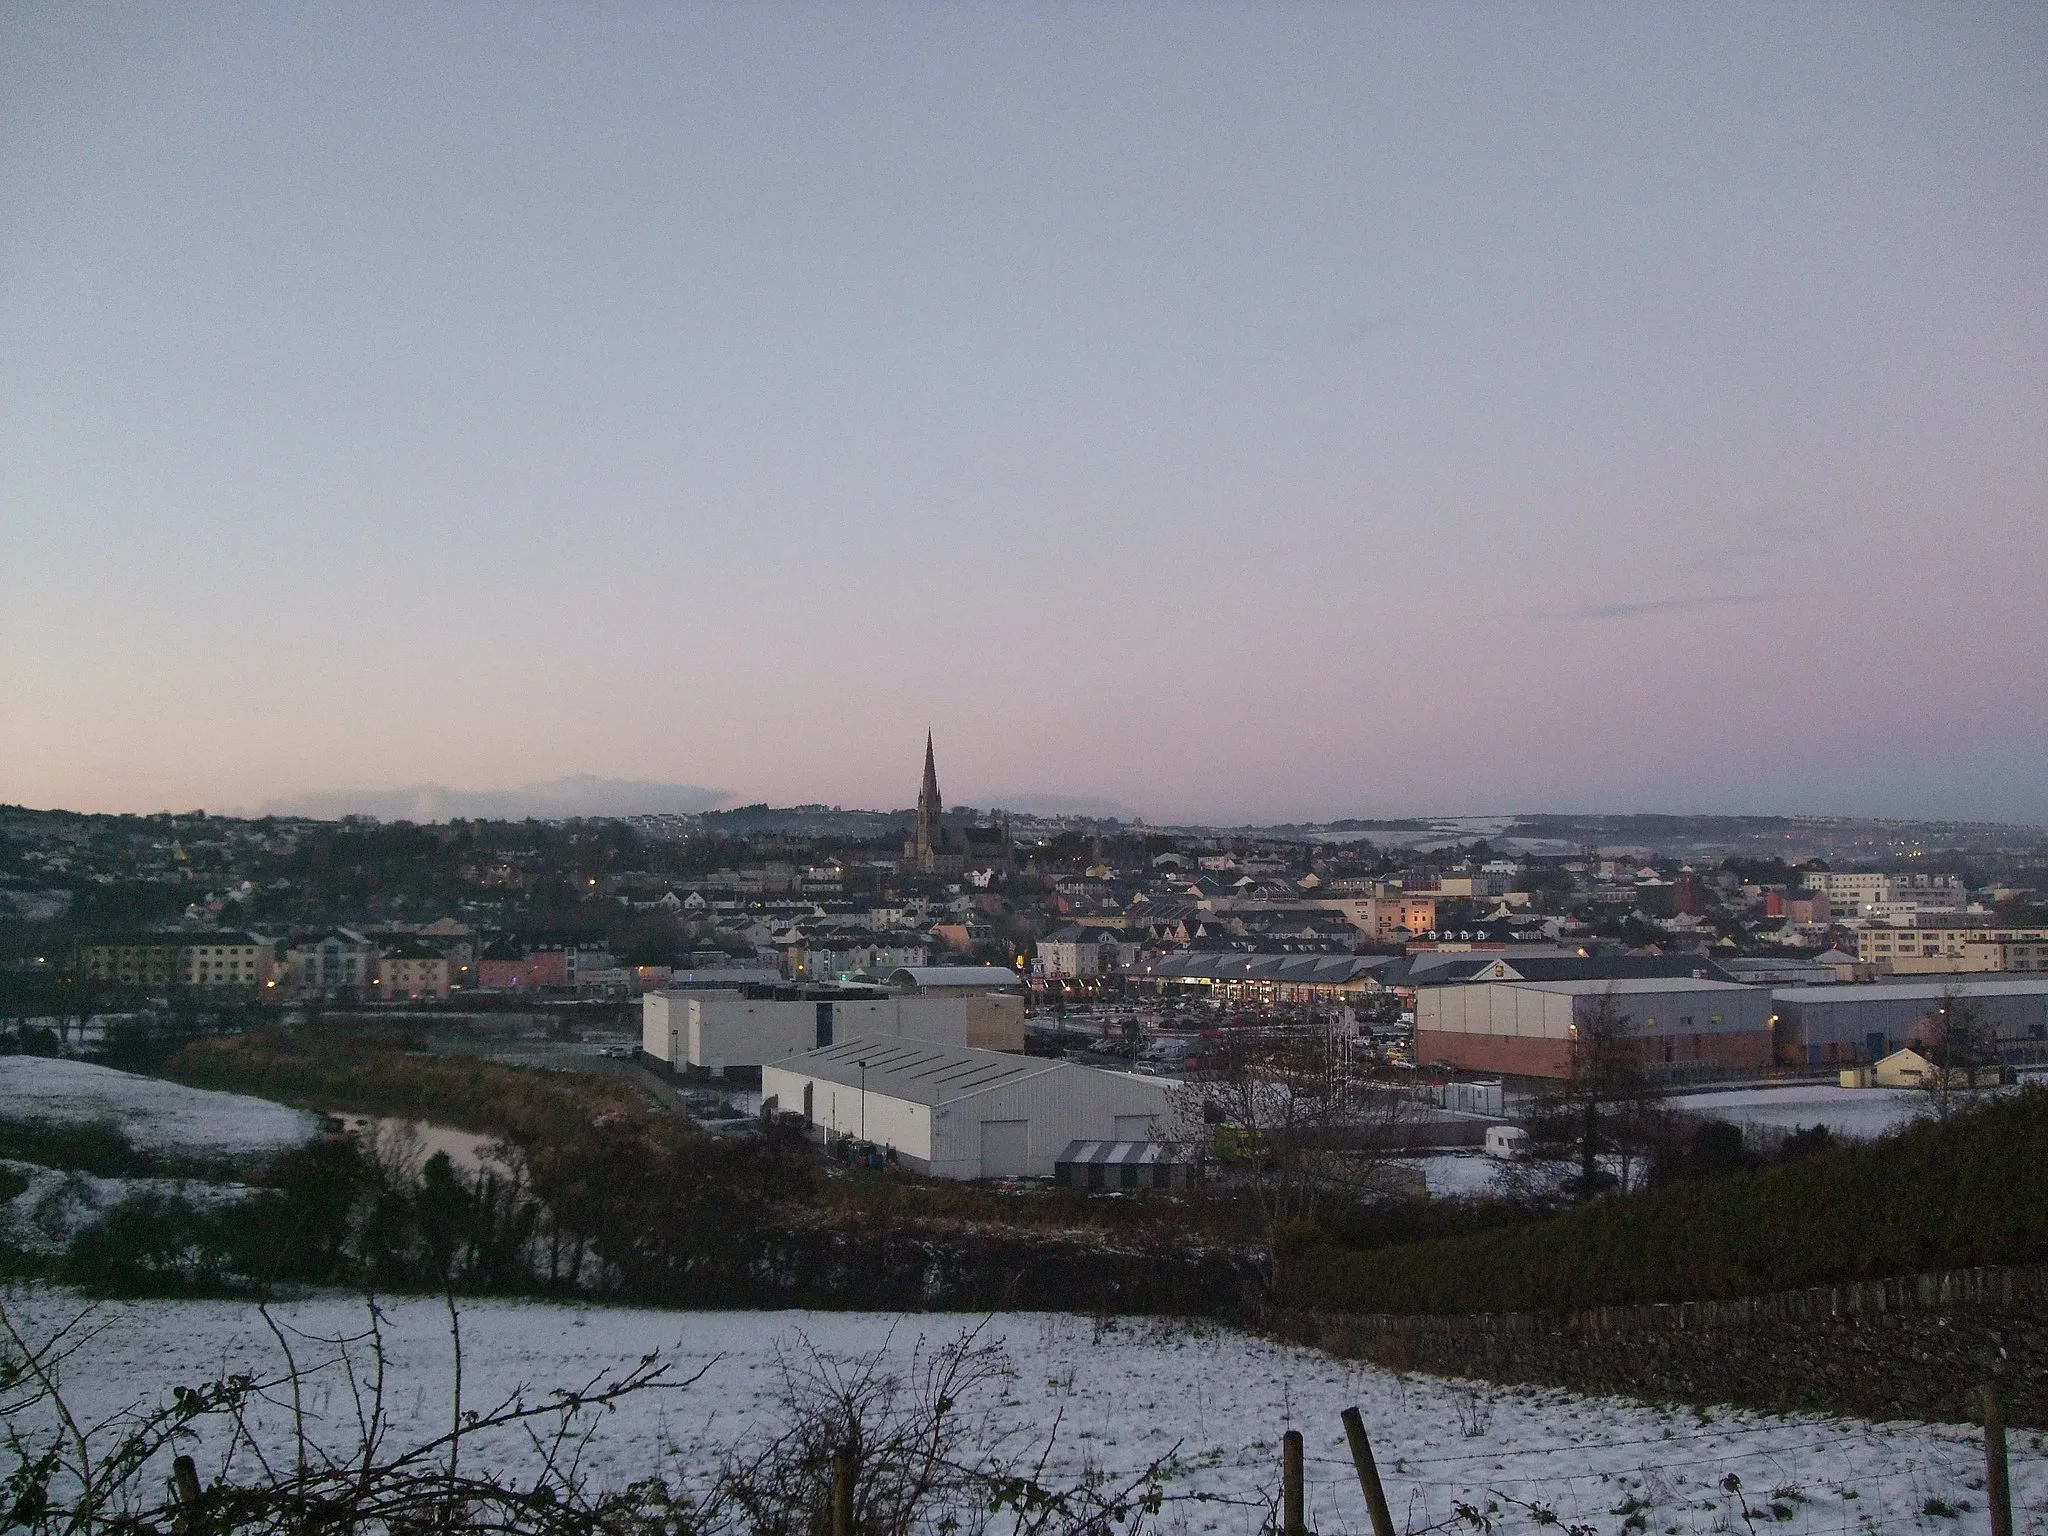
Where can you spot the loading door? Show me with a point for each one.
(1005, 1148)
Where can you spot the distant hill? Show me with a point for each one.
(549, 800)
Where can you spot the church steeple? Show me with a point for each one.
(928, 795)
(928, 808)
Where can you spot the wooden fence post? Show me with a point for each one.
(1997, 1484)
(1292, 1522)
(842, 1491)
(185, 1484)
(1368, 1474)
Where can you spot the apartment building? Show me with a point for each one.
(1387, 913)
(1859, 892)
(212, 958)
(1909, 949)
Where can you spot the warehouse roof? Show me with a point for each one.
(1631, 986)
(1916, 991)
(927, 976)
(1309, 970)
(917, 1070)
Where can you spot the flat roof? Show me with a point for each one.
(1916, 991)
(916, 1071)
(1632, 986)
(957, 976)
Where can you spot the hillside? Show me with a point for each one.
(1941, 1194)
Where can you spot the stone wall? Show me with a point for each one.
(1914, 1347)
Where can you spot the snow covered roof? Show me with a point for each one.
(1632, 986)
(1916, 991)
(916, 1070)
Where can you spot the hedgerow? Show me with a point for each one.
(1967, 1190)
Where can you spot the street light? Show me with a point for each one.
(863, 1104)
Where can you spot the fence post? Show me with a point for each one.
(1292, 1522)
(842, 1491)
(1997, 1485)
(185, 1484)
(1368, 1474)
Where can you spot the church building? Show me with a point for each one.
(938, 849)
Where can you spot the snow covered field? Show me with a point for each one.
(1859, 1112)
(154, 1115)
(1458, 1173)
(57, 1205)
(1123, 1394)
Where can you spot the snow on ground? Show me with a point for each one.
(1458, 1173)
(57, 1205)
(1859, 1112)
(156, 1116)
(1123, 1395)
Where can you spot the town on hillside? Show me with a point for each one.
(1453, 957)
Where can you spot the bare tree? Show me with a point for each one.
(1293, 1121)
(1959, 1046)
(1605, 1122)
(75, 1477)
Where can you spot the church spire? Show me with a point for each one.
(929, 837)
(929, 793)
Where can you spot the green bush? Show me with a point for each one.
(1938, 1195)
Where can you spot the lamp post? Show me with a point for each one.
(863, 1104)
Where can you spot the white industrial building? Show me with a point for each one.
(960, 1113)
(734, 1032)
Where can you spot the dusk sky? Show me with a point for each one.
(1232, 412)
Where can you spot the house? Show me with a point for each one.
(505, 968)
(1909, 1069)
(340, 962)
(960, 1113)
(1073, 953)
(408, 971)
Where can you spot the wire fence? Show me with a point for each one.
(1841, 1479)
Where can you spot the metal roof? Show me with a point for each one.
(1632, 986)
(723, 976)
(994, 976)
(917, 1070)
(1915, 991)
(1310, 970)
(1143, 1153)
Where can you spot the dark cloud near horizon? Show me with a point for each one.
(1595, 612)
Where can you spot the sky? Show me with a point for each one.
(1231, 412)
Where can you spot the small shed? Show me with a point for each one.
(1909, 1069)
(1129, 1165)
